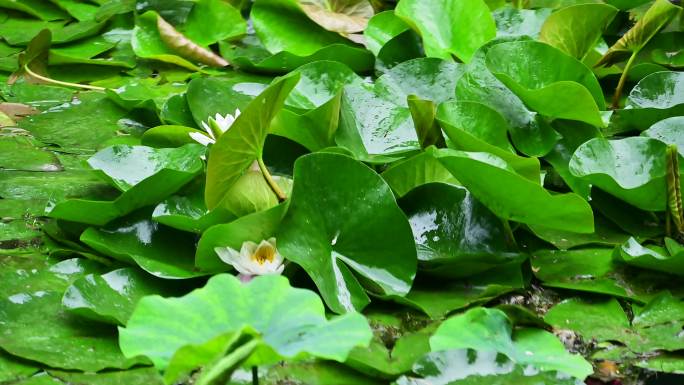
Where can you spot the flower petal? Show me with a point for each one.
(201, 138)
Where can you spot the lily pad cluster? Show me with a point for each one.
(443, 191)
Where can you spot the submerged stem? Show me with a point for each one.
(227, 362)
(61, 83)
(269, 179)
(621, 83)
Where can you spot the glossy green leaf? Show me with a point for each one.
(144, 94)
(523, 200)
(436, 21)
(137, 240)
(423, 115)
(290, 322)
(168, 136)
(617, 167)
(381, 29)
(656, 326)
(575, 29)
(530, 133)
(490, 330)
(85, 125)
(145, 176)
(657, 16)
(240, 146)
(36, 327)
(211, 21)
(437, 297)
(454, 234)
(519, 22)
(147, 43)
(13, 368)
(43, 10)
(407, 343)
(473, 126)
(343, 218)
(185, 47)
(18, 31)
(566, 90)
(135, 376)
(420, 169)
(282, 26)
(652, 257)
(668, 131)
(111, 297)
(468, 367)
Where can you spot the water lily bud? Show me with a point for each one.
(251, 193)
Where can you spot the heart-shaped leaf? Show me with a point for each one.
(566, 90)
(490, 330)
(523, 200)
(575, 29)
(436, 21)
(145, 175)
(343, 219)
(618, 167)
(289, 322)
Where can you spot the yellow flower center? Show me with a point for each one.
(264, 253)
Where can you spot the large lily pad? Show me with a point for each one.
(490, 330)
(632, 169)
(435, 21)
(566, 90)
(36, 327)
(290, 322)
(144, 175)
(111, 297)
(343, 219)
(483, 175)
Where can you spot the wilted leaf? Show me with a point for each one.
(343, 16)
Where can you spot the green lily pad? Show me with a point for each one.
(290, 322)
(473, 126)
(134, 376)
(13, 368)
(437, 298)
(435, 19)
(145, 176)
(359, 228)
(54, 337)
(469, 367)
(657, 326)
(137, 240)
(490, 330)
(381, 29)
(20, 31)
(455, 235)
(519, 22)
(40, 9)
(575, 29)
(282, 26)
(20, 154)
(405, 175)
(407, 343)
(144, 94)
(523, 200)
(668, 131)
(566, 90)
(669, 260)
(148, 44)
(427, 78)
(530, 132)
(168, 136)
(617, 167)
(239, 147)
(86, 124)
(111, 297)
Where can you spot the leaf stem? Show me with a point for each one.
(508, 232)
(269, 179)
(227, 362)
(255, 375)
(59, 82)
(621, 83)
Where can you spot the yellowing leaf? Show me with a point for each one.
(343, 16)
(186, 47)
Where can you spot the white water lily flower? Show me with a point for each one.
(214, 127)
(253, 259)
